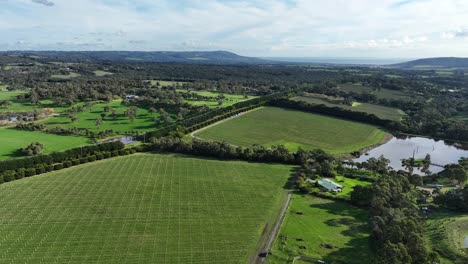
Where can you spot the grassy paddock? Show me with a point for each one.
(13, 140)
(102, 73)
(383, 112)
(445, 233)
(328, 230)
(381, 94)
(87, 119)
(144, 208)
(229, 100)
(25, 105)
(272, 126)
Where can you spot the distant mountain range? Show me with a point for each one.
(435, 63)
(201, 57)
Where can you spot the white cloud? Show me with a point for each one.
(251, 27)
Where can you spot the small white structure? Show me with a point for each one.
(131, 97)
(329, 185)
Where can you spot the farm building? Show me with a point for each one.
(329, 185)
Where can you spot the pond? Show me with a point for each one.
(125, 139)
(402, 148)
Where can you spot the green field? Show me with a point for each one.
(102, 73)
(445, 233)
(272, 126)
(383, 112)
(348, 185)
(165, 83)
(381, 94)
(25, 105)
(230, 99)
(65, 76)
(13, 140)
(87, 119)
(144, 208)
(332, 231)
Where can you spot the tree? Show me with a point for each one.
(152, 110)
(131, 113)
(5, 103)
(98, 122)
(73, 117)
(114, 113)
(33, 149)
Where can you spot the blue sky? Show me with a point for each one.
(299, 28)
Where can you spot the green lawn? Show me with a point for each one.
(230, 99)
(332, 231)
(87, 119)
(383, 112)
(348, 185)
(144, 208)
(445, 233)
(272, 126)
(381, 94)
(12, 140)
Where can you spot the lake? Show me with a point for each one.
(402, 148)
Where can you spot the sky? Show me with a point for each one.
(262, 28)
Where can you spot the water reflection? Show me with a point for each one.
(397, 149)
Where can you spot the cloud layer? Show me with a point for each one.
(362, 28)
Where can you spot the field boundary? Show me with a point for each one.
(265, 247)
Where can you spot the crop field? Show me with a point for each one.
(381, 94)
(272, 126)
(87, 119)
(230, 99)
(144, 208)
(318, 228)
(383, 112)
(446, 232)
(13, 140)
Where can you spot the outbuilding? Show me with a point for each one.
(329, 185)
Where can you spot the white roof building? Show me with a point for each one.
(329, 185)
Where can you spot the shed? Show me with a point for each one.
(329, 185)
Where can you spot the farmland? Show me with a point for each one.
(383, 112)
(24, 105)
(446, 232)
(381, 94)
(144, 208)
(87, 119)
(272, 126)
(229, 99)
(69, 75)
(102, 73)
(13, 140)
(324, 229)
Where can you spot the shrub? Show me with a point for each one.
(67, 164)
(75, 162)
(30, 172)
(58, 166)
(92, 158)
(9, 176)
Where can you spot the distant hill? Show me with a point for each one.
(203, 57)
(435, 63)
